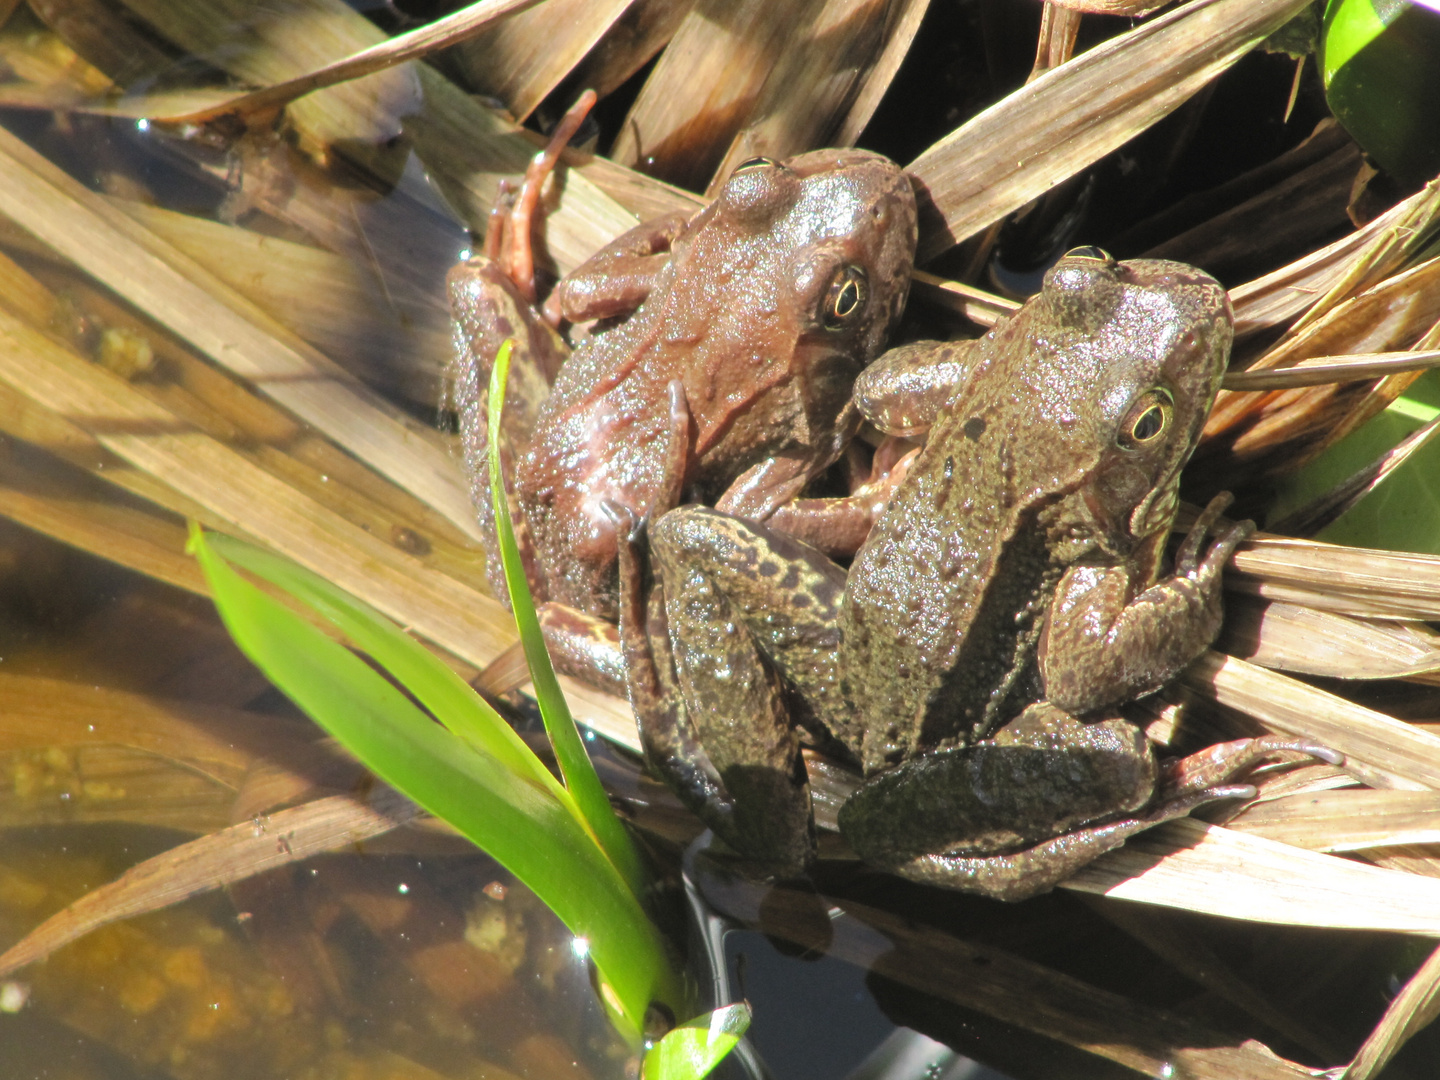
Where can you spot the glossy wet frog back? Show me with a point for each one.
(773, 299)
(1063, 444)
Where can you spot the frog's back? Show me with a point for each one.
(939, 623)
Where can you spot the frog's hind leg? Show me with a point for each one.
(1015, 815)
(702, 652)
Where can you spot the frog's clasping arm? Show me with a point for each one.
(1097, 649)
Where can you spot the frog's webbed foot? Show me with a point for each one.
(1020, 875)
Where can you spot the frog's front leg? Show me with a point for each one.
(1100, 646)
(617, 279)
(733, 605)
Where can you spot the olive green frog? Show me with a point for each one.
(1008, 599)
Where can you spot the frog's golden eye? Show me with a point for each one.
(756, 163)
(1148, 420)
(1090, 251)
(845, 301)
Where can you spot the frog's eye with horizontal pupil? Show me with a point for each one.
(846, 299)
(1089, 251)
(756, 163)
(1147, 421)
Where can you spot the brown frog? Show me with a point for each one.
(728, 378)
(1007, 600)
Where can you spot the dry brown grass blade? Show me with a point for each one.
(222, 325)
(1381, 750)
(157, 442)
(1290, 638)
(95, 31)
(1331, 577)
(1310, 518)
(1052, 128)
(1277, 222)
(1337, 271)
(524, 58)
(977, 305)
(411, 45)
(724, 89)
(221, 744)
(232, 854)
(1351, 820)
(1175, 940)
(342, 307)
(1318, 370)
(1215, 871)
(1413, 1008)
(78, 511)
(95, 785)
(465, 147)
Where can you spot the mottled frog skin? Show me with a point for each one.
(741, 331)
(1007, 600)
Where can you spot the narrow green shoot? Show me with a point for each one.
(575, 766)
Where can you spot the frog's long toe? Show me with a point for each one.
(1222, 762)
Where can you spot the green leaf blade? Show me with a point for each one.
(693, 1049)
(580, 776)
(517, 820)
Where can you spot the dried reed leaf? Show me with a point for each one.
(1338, 271)
(1290, 638)
(1175, 941)
(1400, 313)
(1283, 219)
(525, 57)
(1070, 117)
(1331, 577)
(219, 743)
(158, 442)
(724, 89)
(232, 854)
(1134, 9)
(411, 45)
(1350, 820)
(1059, 30)
(112, 44)
(80, 512)
(1412, 1009)
(1318, 370)
(187, 300)
(977, 305)
(107, 784)
(467, 149)
(1215, 871)
(338, 305)
(1381, 750)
